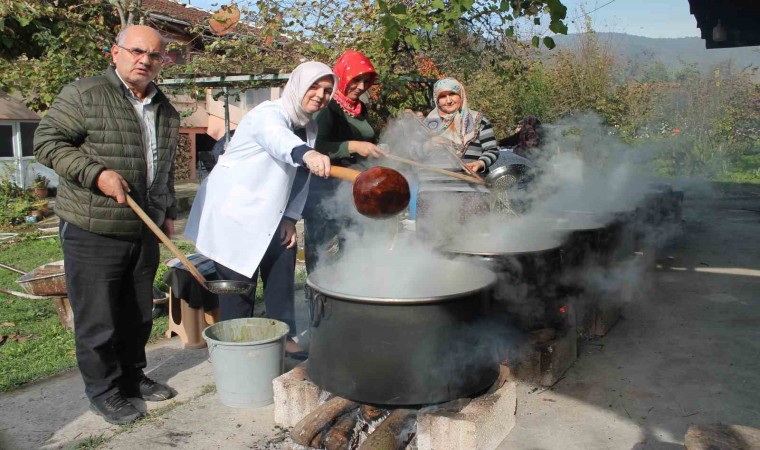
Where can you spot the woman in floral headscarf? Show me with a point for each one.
(459, 133)
(347, 137)
(468, 133)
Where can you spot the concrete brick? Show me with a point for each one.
(544, 363)
(481, 425)
(557, 357)
(722, 436)
(602, 319)
(294, 397)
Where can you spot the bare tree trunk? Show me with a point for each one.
(130, 11)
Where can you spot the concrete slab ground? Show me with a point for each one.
(686, 352)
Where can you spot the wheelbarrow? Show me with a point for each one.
(46, 282)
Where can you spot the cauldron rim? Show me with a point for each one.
(462, 252)
(311, 283)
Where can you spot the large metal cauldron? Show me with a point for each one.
(594, 239)
(401, 351)
(527, 291)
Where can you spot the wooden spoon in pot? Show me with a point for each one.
(379, 192)
(214, 286)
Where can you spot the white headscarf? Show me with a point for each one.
(300, 81)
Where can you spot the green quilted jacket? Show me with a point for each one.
(92, 127)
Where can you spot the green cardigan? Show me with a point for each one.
(336, 128)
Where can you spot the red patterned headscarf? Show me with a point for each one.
(350, 65)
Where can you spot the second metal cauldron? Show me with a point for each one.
(401, 351)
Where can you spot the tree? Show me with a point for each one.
(46, 45)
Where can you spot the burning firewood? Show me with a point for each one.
(324, 416)
(394, 433)
(338, 437)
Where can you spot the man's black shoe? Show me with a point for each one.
(115, 409)
(150, 391)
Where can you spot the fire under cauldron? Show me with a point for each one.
(528, 271)
(392, 349)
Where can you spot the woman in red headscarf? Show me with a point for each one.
(345, 135)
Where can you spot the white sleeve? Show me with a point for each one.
(265, 128)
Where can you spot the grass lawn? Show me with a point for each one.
(33, 344)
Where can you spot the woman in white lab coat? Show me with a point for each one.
(244, 213)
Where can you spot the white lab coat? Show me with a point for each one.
(238, 208)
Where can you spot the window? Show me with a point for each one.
(27, 138)
(6, 141)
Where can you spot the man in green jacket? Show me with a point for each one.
(107, 137)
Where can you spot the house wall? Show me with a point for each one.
(207, 117)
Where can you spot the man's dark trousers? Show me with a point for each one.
(110, 287)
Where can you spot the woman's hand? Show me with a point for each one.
(475, 166)
(363, 148)
(288, 233)
(317, 163)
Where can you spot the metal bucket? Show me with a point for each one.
(246, 355)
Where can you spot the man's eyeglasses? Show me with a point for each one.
(138, 53)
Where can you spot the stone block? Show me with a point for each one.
(544, 363)
(602, 319)
(722, 436)
(481, 425)
(295, 396)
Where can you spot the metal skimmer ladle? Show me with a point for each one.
(214, 286)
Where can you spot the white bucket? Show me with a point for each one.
(246, 355)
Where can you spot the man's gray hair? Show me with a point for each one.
(123, 35)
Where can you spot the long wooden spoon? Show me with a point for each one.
(378, 192)
(215, 286)
(411, 162)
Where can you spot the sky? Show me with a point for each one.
(650, 18)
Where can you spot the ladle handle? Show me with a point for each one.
(344, 173)
(165, 239)
(468, 178)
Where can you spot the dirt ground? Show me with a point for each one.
(686, 352)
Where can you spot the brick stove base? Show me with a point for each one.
(482, 424)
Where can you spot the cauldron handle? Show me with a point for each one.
(316, 306)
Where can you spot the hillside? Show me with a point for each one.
(673, 53)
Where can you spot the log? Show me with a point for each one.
(370, 414)
(338, 437)
(394, 433)
(325, 415)
(503, 377)
(299, 372)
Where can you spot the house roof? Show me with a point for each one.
(176, 10)
(728, 23)
(12, 109)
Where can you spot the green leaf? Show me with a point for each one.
(537, 21)
(535, 41)
(437, 4)
(398, 8)
(557, 26)
(412, 40)
(549, 42)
